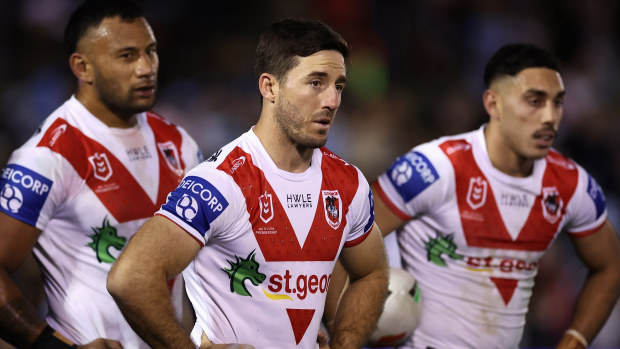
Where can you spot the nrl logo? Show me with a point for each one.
(265, 204)
(101, 166)
(477, 192)
(552, 204)
(171, 154)
(332, 207)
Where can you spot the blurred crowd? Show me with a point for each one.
(415, 74)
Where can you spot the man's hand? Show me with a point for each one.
(322, 340)
(570, 342)
(205, 343)
(102, 343)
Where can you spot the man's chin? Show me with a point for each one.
(143, 105)
(314, 143)
(540, 154)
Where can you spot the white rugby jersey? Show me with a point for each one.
(475, 235)
(89, 188)
(270, 241)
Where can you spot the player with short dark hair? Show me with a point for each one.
(78, 189)
(257, 229)
(474, 213)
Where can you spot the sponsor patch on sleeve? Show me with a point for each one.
(371, 218)
(197, 202)
(411, 174)
(23, 193)
(596, 193)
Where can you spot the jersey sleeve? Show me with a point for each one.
(415, 182)
(202, 203)
(587, 209)
(31, 186)
(361, 213)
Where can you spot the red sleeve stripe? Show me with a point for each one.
(358, 240)
(583, 234)
(386, 200)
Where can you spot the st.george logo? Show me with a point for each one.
(11, 198)
(552, 204)
(477, 192)
(333, 207)
(101, 166)
(187, 207)
(265, 202)
(171, 154)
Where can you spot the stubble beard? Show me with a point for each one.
(286, 114)
(112, 96)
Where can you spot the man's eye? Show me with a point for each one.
(316, 83)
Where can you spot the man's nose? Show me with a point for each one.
(331, 98)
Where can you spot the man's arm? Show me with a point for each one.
(20, 323)
(387, 222)
(600, 252)
(156, 253)
(362, 302)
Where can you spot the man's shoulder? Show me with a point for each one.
(159, 123)
(560, 162)
(333, 166)
(329, 157)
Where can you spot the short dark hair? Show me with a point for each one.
(279, 45)
(91, 13)
(511, 59)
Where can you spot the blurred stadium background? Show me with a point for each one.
(416, 74)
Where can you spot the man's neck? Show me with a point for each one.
(103, 113)
(505, 159)
(286, 155)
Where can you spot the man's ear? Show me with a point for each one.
(81, 67)
(492, 103)
(268, 86)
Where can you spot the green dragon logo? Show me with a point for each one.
(441, 245)
(242, 270)
(105, 237)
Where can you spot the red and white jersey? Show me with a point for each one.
(475, 235)
(270, 241)
(89, 188)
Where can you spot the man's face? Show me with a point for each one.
(309, 96)
(530, 110)
(125, 64)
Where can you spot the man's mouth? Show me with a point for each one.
(145, 90)
(545, 137)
